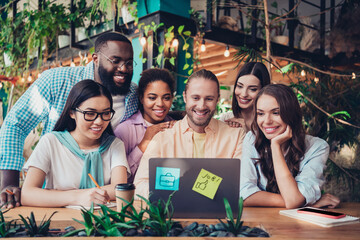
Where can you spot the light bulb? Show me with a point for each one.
(303, 73)
(29, 78)
(203, 47)
(227, 52)
(1, 85)
(175, 43)
(316, 79)
(39, 75)
(72, 64)
(22, 79)
(353, 75)
(143, 41)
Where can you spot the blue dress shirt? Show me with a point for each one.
(44, 102)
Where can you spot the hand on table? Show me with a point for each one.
(10, 198)
(327, 200)
(92, 195)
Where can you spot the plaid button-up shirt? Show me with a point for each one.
(44, 102)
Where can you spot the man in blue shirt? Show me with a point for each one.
(44, 101)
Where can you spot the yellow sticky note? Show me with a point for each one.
(207, 184)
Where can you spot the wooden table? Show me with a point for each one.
(278, 226)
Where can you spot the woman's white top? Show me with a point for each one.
(63, 169)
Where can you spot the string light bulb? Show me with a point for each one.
(175, 43)
(29, 77)
(203, 47)
(22, 79)
(143, 41)
(39, 75)
(1, 85)
(303, 73)
(227, 52)
(353, 75)
(60, 64)
(316, 79)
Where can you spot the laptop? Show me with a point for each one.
(200, 185)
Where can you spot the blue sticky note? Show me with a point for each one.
(167, 178)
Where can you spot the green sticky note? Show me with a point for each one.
(207, 184)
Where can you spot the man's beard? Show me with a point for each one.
(195, 121)
(108, 81)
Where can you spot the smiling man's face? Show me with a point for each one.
(200, 98)
(112, 71)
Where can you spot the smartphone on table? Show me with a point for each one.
(320, 212)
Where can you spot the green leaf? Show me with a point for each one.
(158, 60)
(144, 60)
(285, 69)
(186, 66)
(187, 55)
(187, 33)
(190, 71)
(185, 47)
(172, 61)
(180, 29)
(341, 113)
(161, 48)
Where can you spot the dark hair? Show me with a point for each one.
(152, 75)
(257, 69)
(203, 73)
(79, 93)
(290, 114)
(109, 36)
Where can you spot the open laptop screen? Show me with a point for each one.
(201, 184)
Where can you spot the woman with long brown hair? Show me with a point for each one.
(281, 166)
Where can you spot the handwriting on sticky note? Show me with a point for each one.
(207, 184)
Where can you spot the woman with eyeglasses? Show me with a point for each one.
(155, 91)
(82, 142)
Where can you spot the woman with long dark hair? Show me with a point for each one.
(281, 166)
(82, 142)
(251, 78)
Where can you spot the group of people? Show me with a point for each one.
(97, 121)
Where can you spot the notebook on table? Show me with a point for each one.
(319, 220)
(201, 184)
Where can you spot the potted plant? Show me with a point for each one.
(277, 27)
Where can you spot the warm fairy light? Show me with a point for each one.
(303, 73)
(316, 79)
(22, 79)
(143, 41)
(203, 47)
(227, 52)
(1, 85)
(353, 75)
(29, 78)
(39, 75)
(175, 42)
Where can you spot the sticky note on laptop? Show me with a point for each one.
(167, 178)
(207, 184)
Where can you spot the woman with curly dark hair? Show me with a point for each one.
(281, 166)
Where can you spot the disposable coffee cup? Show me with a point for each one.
(124, 191)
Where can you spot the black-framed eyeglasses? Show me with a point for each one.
(92, 116)
(129, 64)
